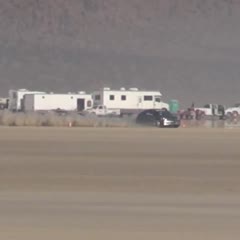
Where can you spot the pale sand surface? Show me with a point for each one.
(139, 183)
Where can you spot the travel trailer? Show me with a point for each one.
(55, 101)
(3, 103)
(15, 102)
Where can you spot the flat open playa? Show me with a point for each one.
(132, 183)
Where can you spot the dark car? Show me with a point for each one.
(158, 118)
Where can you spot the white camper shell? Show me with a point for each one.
(16, 98)
(101, 110)
(129, 101)
(55, 101)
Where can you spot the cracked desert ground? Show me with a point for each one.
(126, 183)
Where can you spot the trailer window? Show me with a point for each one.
(148, 98)
(111, 97)
(123, 97)
(97, 97)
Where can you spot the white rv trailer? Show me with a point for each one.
(16, 98)
(129, 101)
(3, 103)
(53, 101)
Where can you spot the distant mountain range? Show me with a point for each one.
(189, 49)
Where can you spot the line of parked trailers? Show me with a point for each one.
(147, 105)
(102, 102)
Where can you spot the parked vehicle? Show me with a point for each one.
(129, 101)
(52, 101)
(3, 103)
(212, 110)
(16, 98)
(233, 111)
(208, 111)
(158, 118)
(102, 110)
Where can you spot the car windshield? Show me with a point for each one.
(157, 99)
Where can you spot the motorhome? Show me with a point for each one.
(129, 101)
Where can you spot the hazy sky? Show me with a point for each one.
(190, 50)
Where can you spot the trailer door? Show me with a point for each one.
(140, 102)
(80, 104)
